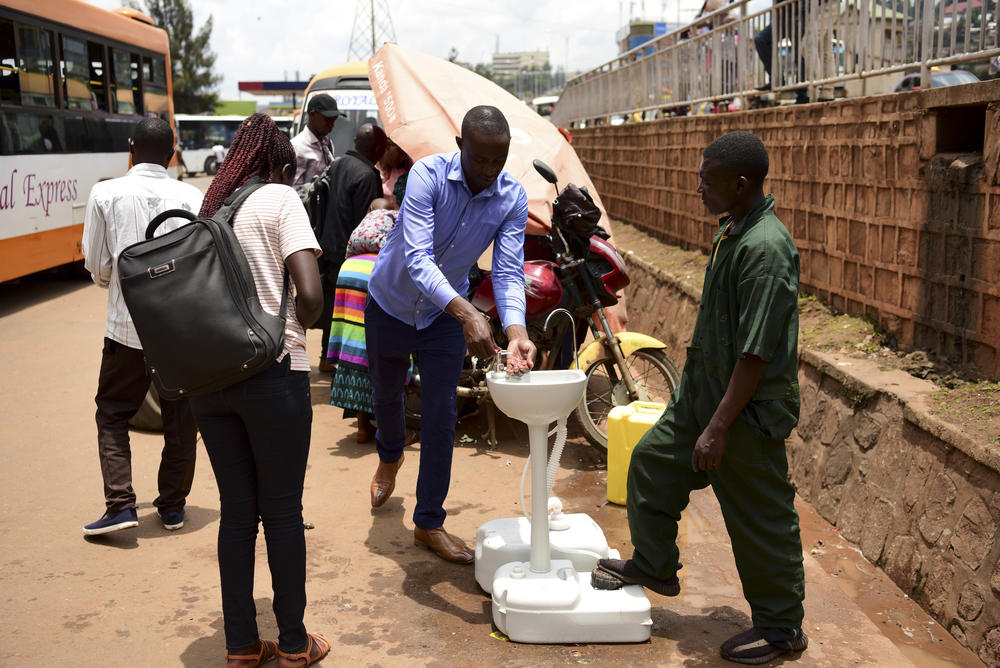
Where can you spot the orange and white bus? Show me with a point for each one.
(74, 81)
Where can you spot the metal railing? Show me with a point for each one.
(813, 46)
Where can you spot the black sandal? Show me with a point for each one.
(752, 648)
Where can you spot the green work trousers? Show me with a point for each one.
(753, 490)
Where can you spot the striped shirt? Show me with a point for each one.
(271, 225)
(118, 211)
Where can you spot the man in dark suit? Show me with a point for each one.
(354, 182)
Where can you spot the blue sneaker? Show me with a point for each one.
(125, 519)
(172, 519)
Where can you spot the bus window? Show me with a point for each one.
(28, 133)
(154, 84)
(89, 134)
(98, 84)
(26, 65)
(122, 97)
(136, 88)
(199, 136)
(38, 87)
(74, 68)
(120, 131)
(10, 85)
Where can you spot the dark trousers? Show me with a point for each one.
(257, 437)
(439, 350)
(756, 498)
(121, 389)
(764, 41)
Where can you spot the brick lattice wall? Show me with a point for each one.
(894, 203)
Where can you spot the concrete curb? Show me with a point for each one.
(916, 409)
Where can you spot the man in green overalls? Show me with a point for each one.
(725, 426)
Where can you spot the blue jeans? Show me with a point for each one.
(440, 351)
(257, 437)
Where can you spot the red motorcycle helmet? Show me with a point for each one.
(542, 290)
(607, 266)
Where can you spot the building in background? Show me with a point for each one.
(637, 33)
(509, 65)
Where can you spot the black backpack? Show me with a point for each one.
(315, 196)
(194, 303)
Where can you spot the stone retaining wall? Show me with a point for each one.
(920, 499)
(894, 203)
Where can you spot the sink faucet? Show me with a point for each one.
(572, 327)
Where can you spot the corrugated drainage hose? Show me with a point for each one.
(550, 472)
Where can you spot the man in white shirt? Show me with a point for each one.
(117, 214)
(313, 148)
(219, 151)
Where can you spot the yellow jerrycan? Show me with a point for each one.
(626, 425)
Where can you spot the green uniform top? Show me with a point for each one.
(749, 306)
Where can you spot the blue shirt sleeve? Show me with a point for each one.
(508, 264)
(418, 238)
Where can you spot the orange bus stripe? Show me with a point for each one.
(29, 253)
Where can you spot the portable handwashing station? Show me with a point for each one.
(538, 570)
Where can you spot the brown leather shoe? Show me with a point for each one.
(384, 481)
(443, 544)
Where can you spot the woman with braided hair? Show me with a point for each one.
(257, 432)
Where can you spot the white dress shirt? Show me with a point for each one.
(117, 214)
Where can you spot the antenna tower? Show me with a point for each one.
(372, 27)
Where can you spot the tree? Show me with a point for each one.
(483, 70)
(191, 59)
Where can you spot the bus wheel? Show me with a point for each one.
(210, 166)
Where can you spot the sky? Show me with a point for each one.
(257, 40)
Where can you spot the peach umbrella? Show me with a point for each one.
(422, 100)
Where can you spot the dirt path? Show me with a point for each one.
(148, 597)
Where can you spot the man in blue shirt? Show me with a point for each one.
(456, 205)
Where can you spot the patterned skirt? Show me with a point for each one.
(351, 390)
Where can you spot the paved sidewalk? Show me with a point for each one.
(148, 597)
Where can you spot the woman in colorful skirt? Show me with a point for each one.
(351, 387)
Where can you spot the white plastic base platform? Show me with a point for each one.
(560, 606)
(502, 541)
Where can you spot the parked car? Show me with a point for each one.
(938, 79)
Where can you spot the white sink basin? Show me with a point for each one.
(537, 397)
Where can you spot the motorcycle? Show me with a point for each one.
(575, 271)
